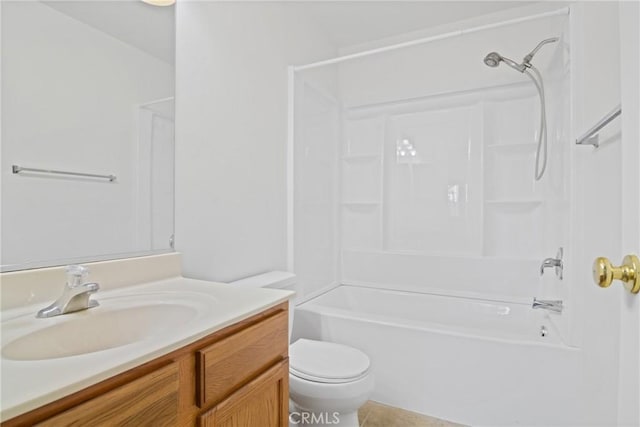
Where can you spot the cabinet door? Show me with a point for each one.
(226, 365)
(151, 400)
(263, 402)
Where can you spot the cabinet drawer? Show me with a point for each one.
(151, 400)
(231, 362)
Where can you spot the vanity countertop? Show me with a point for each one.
(210, 306)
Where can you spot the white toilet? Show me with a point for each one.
(328, 382)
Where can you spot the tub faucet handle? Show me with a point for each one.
(554, 262)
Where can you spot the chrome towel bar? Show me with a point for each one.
(590, 137)
(18, 169)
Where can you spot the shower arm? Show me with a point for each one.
(527, 59)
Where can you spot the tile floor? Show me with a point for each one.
(374, 414)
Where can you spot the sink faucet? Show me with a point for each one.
(75, 296)
(553, 262)
(552, 305)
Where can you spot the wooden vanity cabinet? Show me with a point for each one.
(236, 377)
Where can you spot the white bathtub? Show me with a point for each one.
(471, 361)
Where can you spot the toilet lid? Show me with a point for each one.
(326, 362)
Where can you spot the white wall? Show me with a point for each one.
(231, 133)
(69, 95)
(454, 64)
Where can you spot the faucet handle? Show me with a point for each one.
(554, 262)
(76, 274)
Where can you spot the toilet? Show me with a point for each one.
(328, 382)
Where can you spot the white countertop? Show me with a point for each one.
(29, 384)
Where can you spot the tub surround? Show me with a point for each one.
(30, 384)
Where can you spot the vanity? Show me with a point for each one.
(159, 350)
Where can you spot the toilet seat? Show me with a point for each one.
(325, 362)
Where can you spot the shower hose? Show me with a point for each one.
(542, 131)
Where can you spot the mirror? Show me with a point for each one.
(87, 131)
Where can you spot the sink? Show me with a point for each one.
(152, 314)
(101, 328)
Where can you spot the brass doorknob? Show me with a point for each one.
(629, 273)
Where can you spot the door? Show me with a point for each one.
(605, 212)
(629, 371)
(155, 169)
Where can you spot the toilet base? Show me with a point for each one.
(317, 404)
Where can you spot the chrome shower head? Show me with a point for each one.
(493, 59)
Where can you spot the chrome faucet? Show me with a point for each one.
(553, 262)
(552, 305)
(75, 296)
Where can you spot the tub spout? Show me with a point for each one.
(552, 305)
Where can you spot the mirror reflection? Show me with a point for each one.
(87, 131)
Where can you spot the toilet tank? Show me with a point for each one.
(275, 280)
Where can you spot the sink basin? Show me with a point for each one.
(98, 329)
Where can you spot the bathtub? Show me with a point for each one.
(472, 361)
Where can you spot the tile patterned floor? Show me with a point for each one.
(374, 414)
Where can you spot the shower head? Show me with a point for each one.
(493, 59)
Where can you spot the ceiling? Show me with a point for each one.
(346, 23)
(149, 28)
(349, 23)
